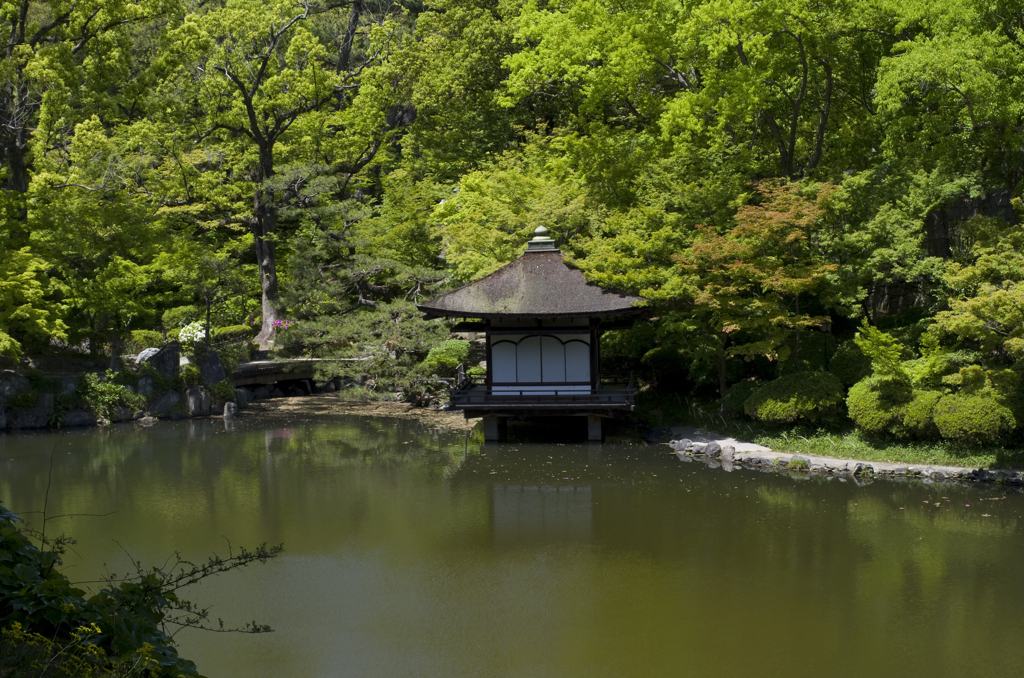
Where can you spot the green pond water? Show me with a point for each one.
(411, 552)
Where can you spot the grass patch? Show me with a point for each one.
(850, 445)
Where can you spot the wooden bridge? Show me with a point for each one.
(272, 371)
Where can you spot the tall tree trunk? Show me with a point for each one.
(264, 223)
(115, 343)
(350, 36)
(17, 172)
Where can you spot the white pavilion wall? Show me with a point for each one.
(540, 360)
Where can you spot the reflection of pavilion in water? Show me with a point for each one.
(524, 515)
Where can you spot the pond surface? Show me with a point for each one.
(411, 552)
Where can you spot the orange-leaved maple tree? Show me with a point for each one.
(749, 291)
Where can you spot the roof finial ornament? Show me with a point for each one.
(541, 242)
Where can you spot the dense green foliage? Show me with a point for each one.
(768, 175)
(125, 629)
(444, 358)
(104, 395)
(797, 398)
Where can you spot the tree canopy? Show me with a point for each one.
(768, 175)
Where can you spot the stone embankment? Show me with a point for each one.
(727, 457)
(158, 383)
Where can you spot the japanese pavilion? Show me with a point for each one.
(542, 322)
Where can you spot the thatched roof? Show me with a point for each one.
(538, 284)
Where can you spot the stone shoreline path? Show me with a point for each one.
(691, 443)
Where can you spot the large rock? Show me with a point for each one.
(145, 354)
(78, 418)
(197, 402)
(39, 416)
(122, 413)
(260, 392)
(68, 384)
(146, 386)
(164, 405)
(230, 410)
(713, 450)
(210, 368)
(242, 397)
(165, 361)
(12, 383)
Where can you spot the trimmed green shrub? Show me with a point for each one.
(445, 357)
(798, 397)
(849, 363)
(732, 403)
(918, 414)
(180, 316)
(979, 412)
(142, 339)
(876, 404)
(974, 418)
(232, 333)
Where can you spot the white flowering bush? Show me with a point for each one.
(193, 333)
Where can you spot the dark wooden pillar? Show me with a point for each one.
(489, 378)
(593, 359)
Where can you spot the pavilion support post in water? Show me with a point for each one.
(594, 429)
(495, 428)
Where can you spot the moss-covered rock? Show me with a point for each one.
(799, 397)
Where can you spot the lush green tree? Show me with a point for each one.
(64, 60)
(487, 219)
(262, 97)
(359, 312)
(206, 275)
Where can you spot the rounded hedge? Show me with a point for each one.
(876, 404)
(445, 357)
(919, 413)
(974, 418)
(233, 333)
(797, 397)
